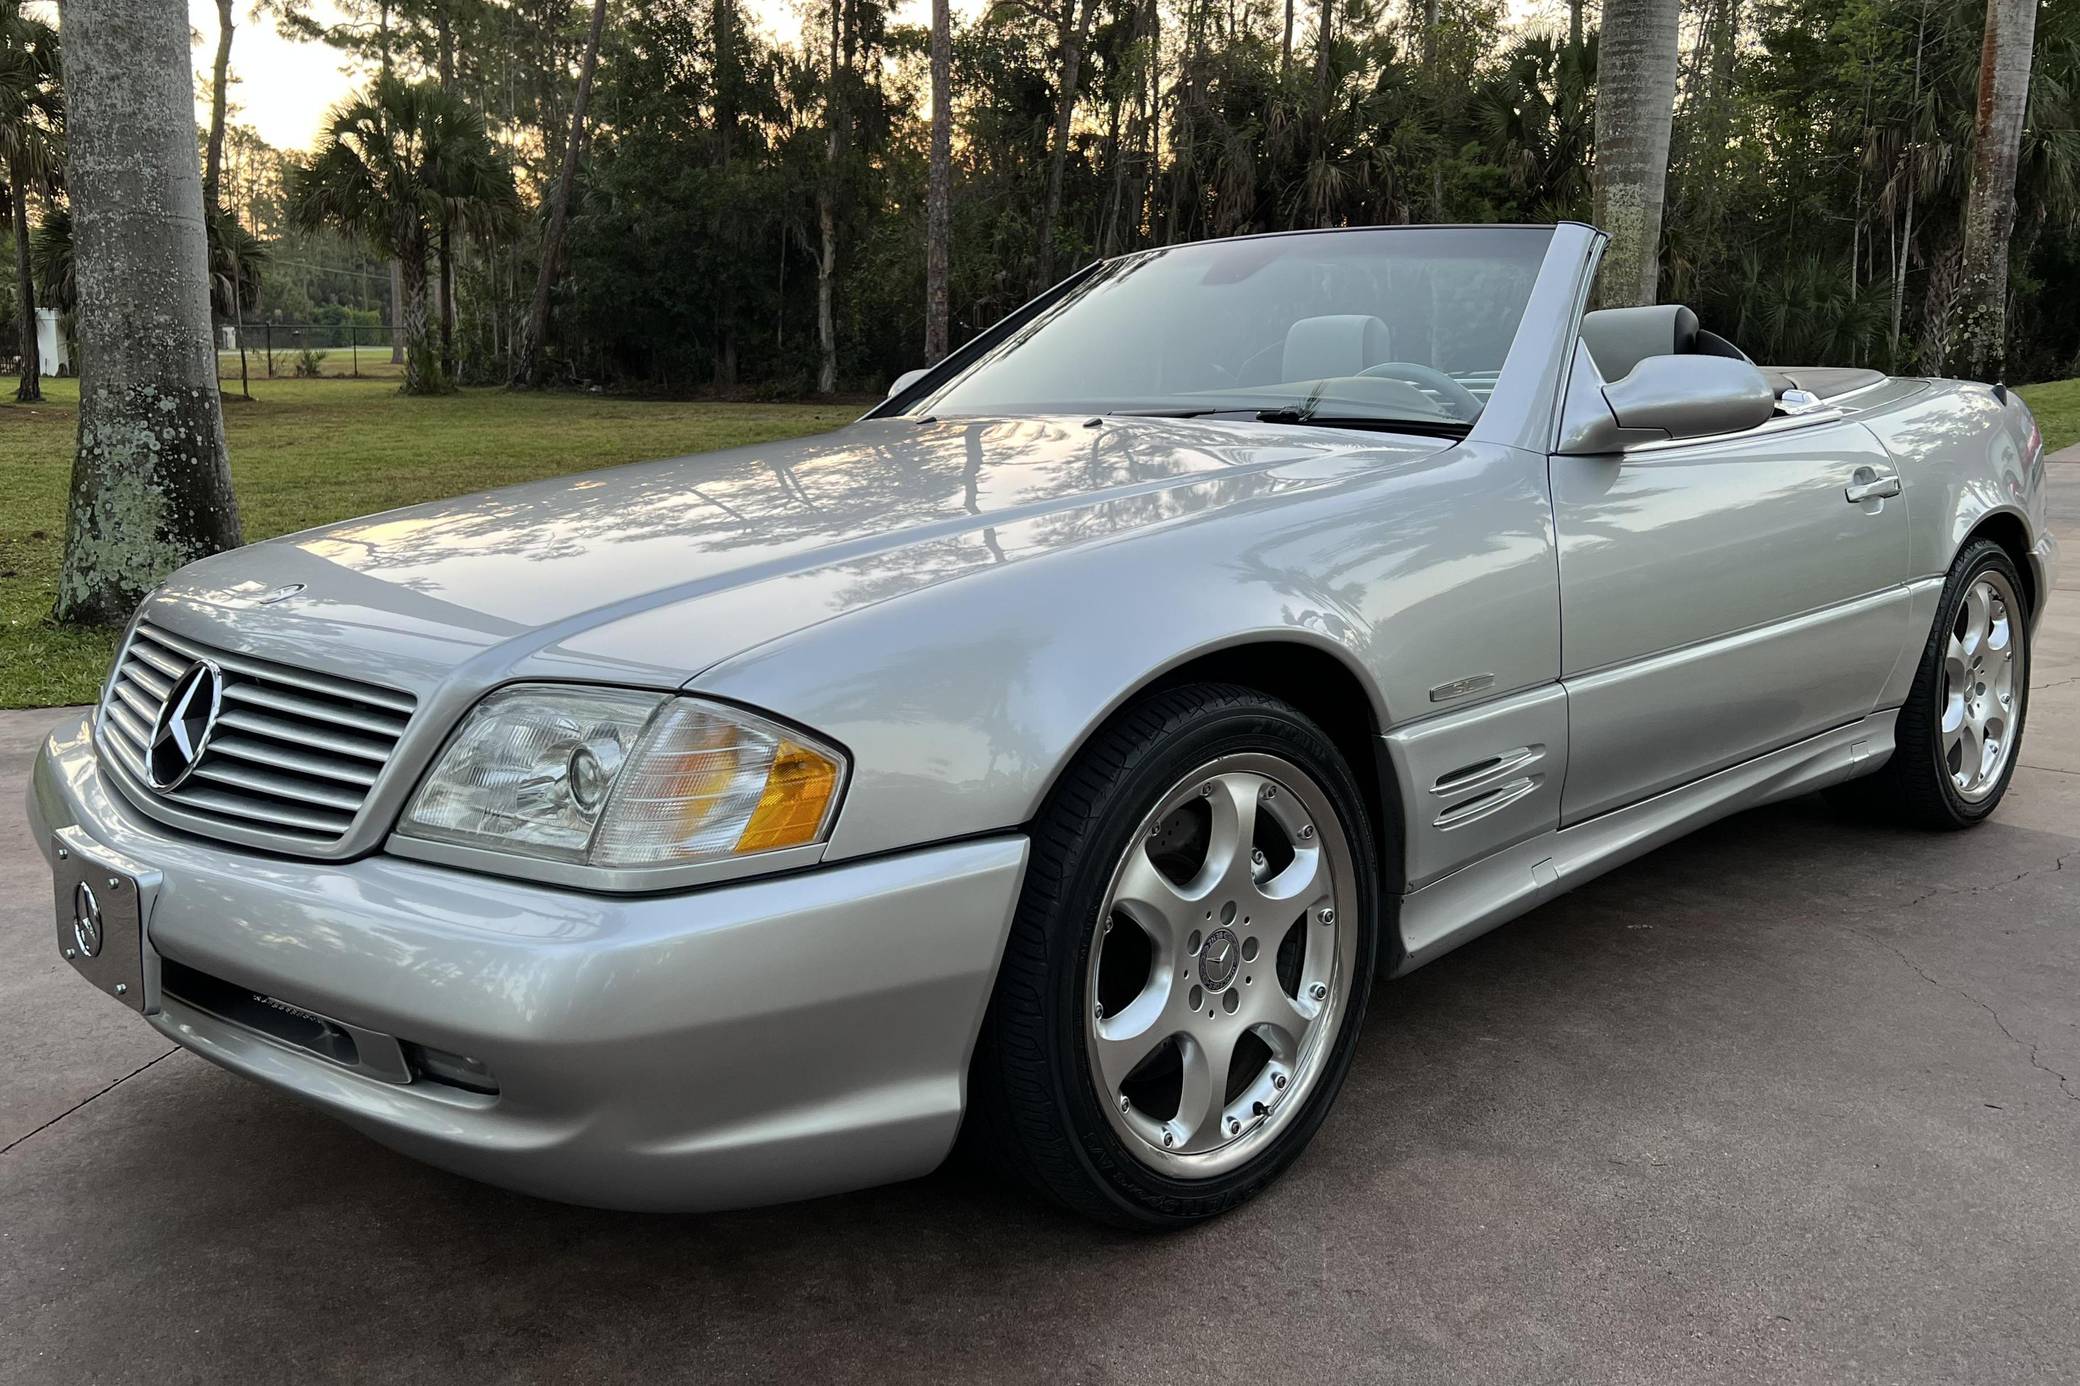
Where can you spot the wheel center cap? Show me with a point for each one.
(1219, 959)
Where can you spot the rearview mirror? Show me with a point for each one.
(1691, 396)
(905, 381)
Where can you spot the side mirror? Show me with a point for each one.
(1692, 396)
(905, 381)
(1664, 397)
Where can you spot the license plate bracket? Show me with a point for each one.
(102, 901)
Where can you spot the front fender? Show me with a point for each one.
(961, 704)
(963, 701)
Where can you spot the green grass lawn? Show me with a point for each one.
(2057, 407)
(307, 451)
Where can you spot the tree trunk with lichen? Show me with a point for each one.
(1989, 211)
(1635, 108)
(151, 484)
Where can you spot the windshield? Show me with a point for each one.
(1389, 324)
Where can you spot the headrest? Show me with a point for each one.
(1621, 338)
(1341, 344)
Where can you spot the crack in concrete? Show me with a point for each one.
(30, 1135)
(2065, 1084)
(2059, 864)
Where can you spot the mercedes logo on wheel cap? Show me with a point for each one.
(86, 920)
(185, 721)
(1219, 959)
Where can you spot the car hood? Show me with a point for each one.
(652, 572)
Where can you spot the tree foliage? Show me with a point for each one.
(391, 167)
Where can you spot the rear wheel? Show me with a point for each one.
(1960, 733)
(1189, 966)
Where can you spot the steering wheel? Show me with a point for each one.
(1459, 400)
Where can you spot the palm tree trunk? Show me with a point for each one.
(827, 207)
(151, 484)
(1635, 107)
(1075, 31)
(1324, 40)
(1285, 42)
(396, 314)
(422, 375)
(939, 191)
(445, 249)
(238, 318)
(444, 57)
(527, 364)
(1430, 68)
(1989, 211)
(1116, 161)
(30, 388)
(213, 159)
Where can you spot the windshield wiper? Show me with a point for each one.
(1294, 413)
(1377, 423)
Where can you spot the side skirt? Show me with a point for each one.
(1495, 890)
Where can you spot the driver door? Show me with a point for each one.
(1720, 599)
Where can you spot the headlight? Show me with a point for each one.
(617, 778)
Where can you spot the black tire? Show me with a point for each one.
(1035, 1107)
(1915, 786)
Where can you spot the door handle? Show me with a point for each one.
(1868, 483)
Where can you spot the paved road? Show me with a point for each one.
(1795, 1100)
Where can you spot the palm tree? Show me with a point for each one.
(32, 142)
(1635, 113)
(151, 483)
(1989, 212)
(391, 164)
(236, 257)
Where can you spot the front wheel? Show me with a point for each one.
(1959, 735)
(1188, 969)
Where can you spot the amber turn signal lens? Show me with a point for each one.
(797, 795)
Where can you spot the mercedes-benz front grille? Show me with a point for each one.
(292, 754)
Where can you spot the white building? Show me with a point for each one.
(52, 356)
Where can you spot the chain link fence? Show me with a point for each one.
(275, 350)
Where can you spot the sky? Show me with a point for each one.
(283, 88)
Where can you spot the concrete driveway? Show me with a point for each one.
(1795, 1100)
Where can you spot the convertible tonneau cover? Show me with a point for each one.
(1824, 381)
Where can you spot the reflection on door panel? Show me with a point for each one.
(1679, 571)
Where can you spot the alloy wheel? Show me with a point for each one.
(1220, 967)
(1984, 676)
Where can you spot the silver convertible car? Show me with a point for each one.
(1065, 750)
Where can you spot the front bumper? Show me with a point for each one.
(743, 1044)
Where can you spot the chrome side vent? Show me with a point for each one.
(1481, 805)
(1479, 788)
(293, 753)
